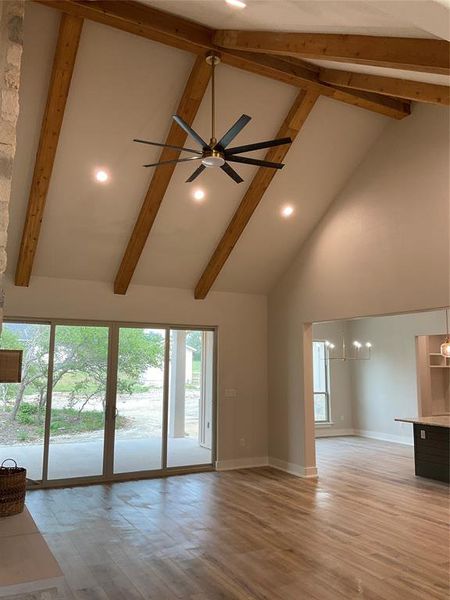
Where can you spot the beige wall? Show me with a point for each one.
(242, 349)
(386, 386)
(383, 247)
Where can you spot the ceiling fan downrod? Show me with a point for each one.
(212, 156)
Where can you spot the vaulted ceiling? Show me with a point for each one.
(125, 86)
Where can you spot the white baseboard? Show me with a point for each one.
(385, 437)
(264, 461)
(242, 463)
(325, 432)
(293, 469)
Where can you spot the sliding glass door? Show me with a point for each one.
(139, 400)
(78, 403)
(108, 401)
(23, 405)
(190, 398)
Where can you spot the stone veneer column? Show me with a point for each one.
(11, 30)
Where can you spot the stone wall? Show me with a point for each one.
(11, 30)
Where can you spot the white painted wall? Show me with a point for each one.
(242, 346)
(386, 386)
(383, 247)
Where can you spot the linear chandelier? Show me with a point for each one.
(358, 351)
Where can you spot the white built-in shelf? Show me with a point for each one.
(437, 361)
(433, 376)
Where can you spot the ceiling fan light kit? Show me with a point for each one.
(216, 154)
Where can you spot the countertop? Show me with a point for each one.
(437, 420)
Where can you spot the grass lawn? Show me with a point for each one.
(69, 382)
(64, 420)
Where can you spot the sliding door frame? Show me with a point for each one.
(108, 474)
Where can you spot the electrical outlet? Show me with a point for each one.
(423, 434)
(342, 417)
(242, 442)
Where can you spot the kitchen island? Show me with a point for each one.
(431, 446)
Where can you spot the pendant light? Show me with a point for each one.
(445, 347)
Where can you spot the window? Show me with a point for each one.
(23, 405)
(101, 401)
(321, 381)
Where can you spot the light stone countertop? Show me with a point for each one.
(436, 420)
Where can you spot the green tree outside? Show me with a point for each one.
(80, 368)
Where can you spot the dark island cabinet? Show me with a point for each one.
(431, 451)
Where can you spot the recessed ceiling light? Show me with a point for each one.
(199, 195)
(101, 176)
(236, 3)
(287, 211)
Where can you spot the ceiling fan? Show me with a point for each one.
(217, 153)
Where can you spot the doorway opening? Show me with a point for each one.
(369, 374)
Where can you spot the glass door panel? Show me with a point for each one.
(140, 399)
(23, 405)
(77, 419)
(190, 398)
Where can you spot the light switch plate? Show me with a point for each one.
(230, 393)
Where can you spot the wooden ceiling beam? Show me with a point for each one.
(389, 86)
(63, 65)
(187, 109)
(171, 30)
(411, 54)
(294, 73)
(142, 20)
(291, 126)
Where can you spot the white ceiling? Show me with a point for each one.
(124, 87)
(397, 18)
(415, 18)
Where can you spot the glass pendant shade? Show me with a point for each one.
(445, 348)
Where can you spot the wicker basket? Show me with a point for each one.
(13, 481)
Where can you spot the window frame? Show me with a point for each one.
(327, 420)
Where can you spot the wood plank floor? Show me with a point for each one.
(367, 528)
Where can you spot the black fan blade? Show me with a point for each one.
(233, 131)
(170, 162)
(182, 123)
(231, 173)
(166, 146)
(254, 161)
(196, 173)
(259, 146)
